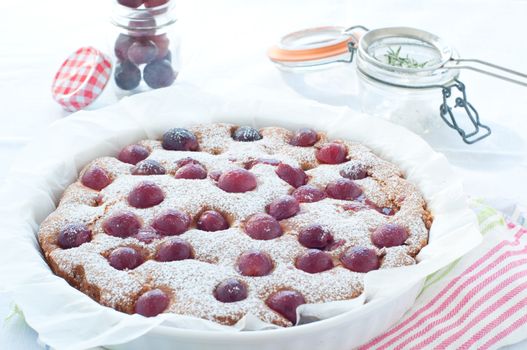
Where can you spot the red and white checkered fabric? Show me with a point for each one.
(81, 78)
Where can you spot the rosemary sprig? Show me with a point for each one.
(395, 59)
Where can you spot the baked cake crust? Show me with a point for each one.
(190, 283)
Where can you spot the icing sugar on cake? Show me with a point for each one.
(220, 221)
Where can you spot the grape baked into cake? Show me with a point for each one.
(218, 221)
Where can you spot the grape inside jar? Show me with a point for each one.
(145, 45)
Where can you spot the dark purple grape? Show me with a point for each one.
(125, 258)
(133, 154)
(354, 171)
(283, 207)
(127, 75)
(304, 138)
(230, 291)
(255, 263)
(122, 44)
(145, 195)
(308, 194)
(285, 302)
(174, 249)
(246, 134)
(296, 177)
(122, 225)
(360, 259)
(315, 236)
(95, 178)
(171, 222)
(179, 139)
(314, 261)
(73, 235)
(152, 303)
(158, 74)
(142, 25)
(212, 221)
(263, 227)
(148, 167)
(389, 235)
(343, 189)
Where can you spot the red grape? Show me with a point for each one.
(304, 137)
(237, 180)
(389, 235)
(211, 221)
(142, 51)
(152, 303)
(131, 3)
(155, 3)
(122, 225)
(343, 189)
(230, 291)
(283, 207)
(246, 134)
(122, 44)
(96, 178)
(125, 258)
(360, 259)
(174, 249)
(332, 153)
(133, 154)
(314, 261)
(191, 171)
(162, 42)
(148, 167)
(73, 235)
(172, 222)
(255, 263)
(296, 177)
(215, 175)
(185, 161)
(263, 227)
(308, 194)
(285, 302)
(145, 195)
(315, 236)
(179, 139)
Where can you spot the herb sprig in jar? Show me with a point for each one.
(395, 59)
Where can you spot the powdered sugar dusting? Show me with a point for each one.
(190, 283)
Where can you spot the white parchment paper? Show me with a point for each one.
(65, 318)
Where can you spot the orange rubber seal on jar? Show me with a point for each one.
(278, 54)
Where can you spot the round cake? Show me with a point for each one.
(218, 221)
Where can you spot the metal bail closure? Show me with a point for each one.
(480, 131)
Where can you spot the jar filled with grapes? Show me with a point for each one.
(145, 45)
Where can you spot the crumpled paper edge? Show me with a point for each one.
(46, 166)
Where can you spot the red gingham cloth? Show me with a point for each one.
(478, 302)
(81, 78)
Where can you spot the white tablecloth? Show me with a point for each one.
(223, 51)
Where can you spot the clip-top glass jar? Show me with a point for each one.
(145, 45)
(406, 75)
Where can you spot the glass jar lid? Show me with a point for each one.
(406, 57)
(313, 47)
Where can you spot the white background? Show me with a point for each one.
(224, 47)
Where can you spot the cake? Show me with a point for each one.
(218, 221)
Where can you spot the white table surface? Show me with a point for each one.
(223, 51)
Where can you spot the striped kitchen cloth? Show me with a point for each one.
(477, 302)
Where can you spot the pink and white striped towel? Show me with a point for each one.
(477, 302)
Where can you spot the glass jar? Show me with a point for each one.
(145, 45)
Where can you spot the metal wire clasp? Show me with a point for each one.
(480, 130)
